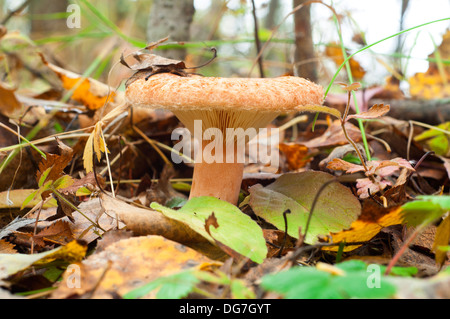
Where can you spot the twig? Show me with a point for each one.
(14, 12)
(287, 211)
(403, 249)
(257, 40)
(315, 202)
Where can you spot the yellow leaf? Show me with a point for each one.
(372, 220)
(442, 239)
(128, 264)
(90, 92)
(95, 143)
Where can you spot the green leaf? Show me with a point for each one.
(300, 283)
(335, 209)
(311, 283)
(176, 202)
(63, 182)
(439, 144)
(44, 176)
(426, 209)
(174, 286)
(236, 229)
(29, 198)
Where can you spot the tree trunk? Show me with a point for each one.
(44, 27)
(270, 20)
(171, 18)
(305, 64)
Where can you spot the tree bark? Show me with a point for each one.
(305, 64)
(171, 18)
(40, 27)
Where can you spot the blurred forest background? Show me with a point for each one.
(304, 42)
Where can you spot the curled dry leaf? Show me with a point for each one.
(87, 91)
(377, 173)
(375, 111)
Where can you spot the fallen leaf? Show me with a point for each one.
(143, 221)
(375, 111)
(335, 209)
(13, 263)
(15, 198)
(7, 247)
(56, 163)
(58, 233)
(296, 155)
(128, 264)
(10, 105)
(90, 92)
(442, 239)
(373, 218)
(334, 51)
(334, 136)
(237, 230)
(17, 223)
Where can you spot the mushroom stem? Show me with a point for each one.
(221, 180)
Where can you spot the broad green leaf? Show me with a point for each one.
(236, 229)
(334, 211)
(311, 283)
(425, 209)
(174, 286)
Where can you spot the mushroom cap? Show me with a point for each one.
(275, 95)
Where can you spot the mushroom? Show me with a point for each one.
(221, 104)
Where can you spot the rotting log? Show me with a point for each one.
(426, 111)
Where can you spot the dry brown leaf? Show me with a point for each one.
(334, 51)
(334, 136)
(296, 155)
(7, 247)
(10, 105)
(129, 264)
(57, 163)
(375, 111)
(337, 164)
(57, 233)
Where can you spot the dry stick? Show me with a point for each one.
(316, 198)
(14, 12)
(403, 249)
(153, 144)
(257, 41)
(35, 227)
(287, 211)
